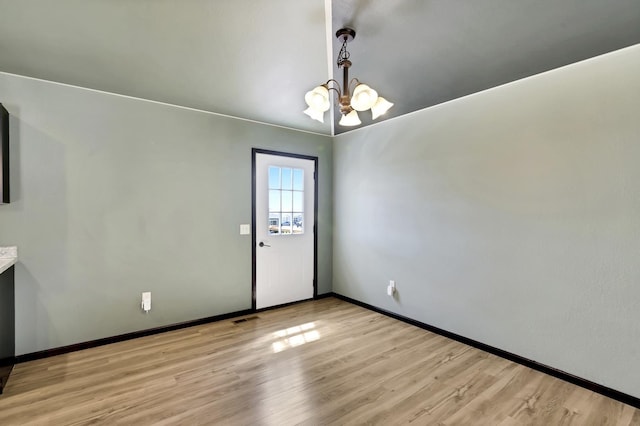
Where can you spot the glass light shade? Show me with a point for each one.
(380, 107)
(350, 119)
(315, 114)
(318, 99)
(364, 97)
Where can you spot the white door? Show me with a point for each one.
(284, 229)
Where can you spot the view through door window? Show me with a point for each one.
(286, 200)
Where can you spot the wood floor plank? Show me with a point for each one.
(314, 363)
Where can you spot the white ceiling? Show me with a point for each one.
(255, 59)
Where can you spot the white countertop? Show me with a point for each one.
(8, 257)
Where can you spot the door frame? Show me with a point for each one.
(255, 151)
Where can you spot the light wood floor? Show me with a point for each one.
(315, 363)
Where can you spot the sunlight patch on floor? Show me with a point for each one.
(294, 336)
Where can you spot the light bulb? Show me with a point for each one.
(380, 107)
(315, 114)
(318, 98)
(350, 119)
(364, 97)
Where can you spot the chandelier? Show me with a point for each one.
(362, 98)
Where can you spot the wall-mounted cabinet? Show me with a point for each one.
(4, 155)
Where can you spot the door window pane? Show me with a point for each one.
(287, 217)
(298, 201)
(274, 223)
(274, 200)
(274, 177)
(286, 200)
(296, 226)
(287, 176)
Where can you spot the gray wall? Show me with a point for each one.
(511, 217)
(113, 196)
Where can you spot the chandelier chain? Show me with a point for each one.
(343, 55)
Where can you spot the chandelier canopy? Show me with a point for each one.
(362, 98)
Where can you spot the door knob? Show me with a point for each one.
(263, 244)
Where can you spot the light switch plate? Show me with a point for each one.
(245, 229)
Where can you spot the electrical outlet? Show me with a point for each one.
(146, 301)
(391, 288)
